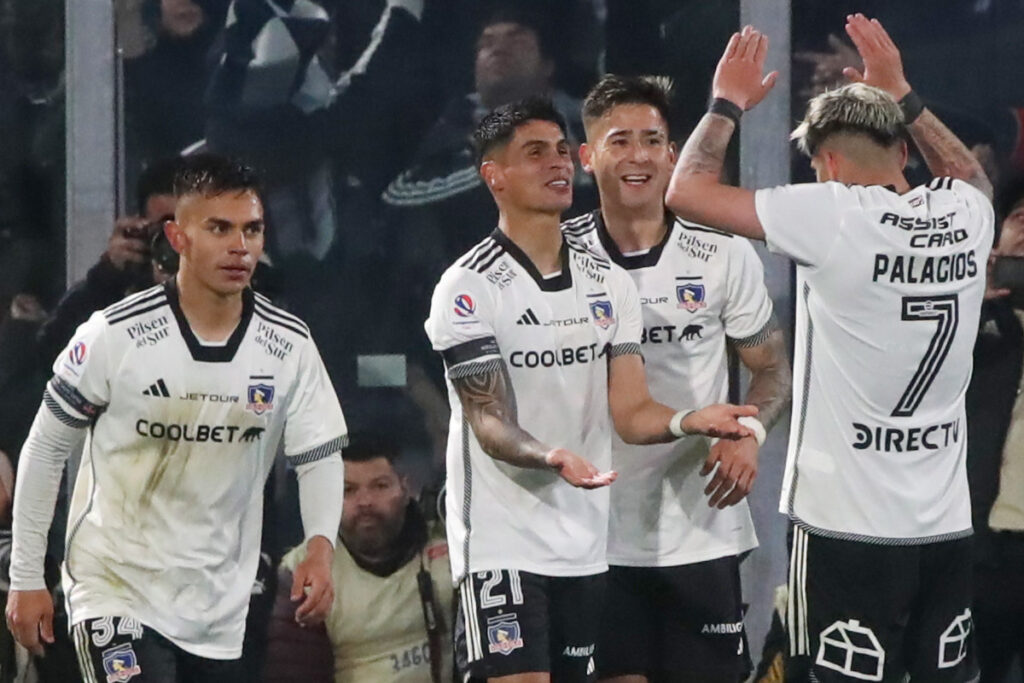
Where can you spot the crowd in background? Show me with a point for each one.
(359, 115)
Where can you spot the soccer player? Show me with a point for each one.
(541, 339)
(890, 280)
(674, 609)
(182, 394)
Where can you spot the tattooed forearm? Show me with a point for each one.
(489, 405)
(771, 381)
(704, 152)
(945, 154)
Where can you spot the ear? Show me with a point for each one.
(832, 164)
(492, 175)
(673, 152)
(904, 154)
(176, 235)
(586, 155)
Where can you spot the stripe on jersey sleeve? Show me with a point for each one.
(73, 399)
(319, 453)
(759, 337)
(625, 349)
(58, 412)
(476, 368)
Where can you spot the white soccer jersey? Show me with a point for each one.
(166, 516)
(889, 290)
(492, 310)
(697, 288)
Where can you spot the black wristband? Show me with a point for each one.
(726, 108)
(912, 107)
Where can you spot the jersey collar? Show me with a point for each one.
(553, 284)
(210, 354)
(645, 260)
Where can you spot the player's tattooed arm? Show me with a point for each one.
(489, 405)
(945, 154)
(771, 380)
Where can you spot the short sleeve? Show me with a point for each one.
(79, 390)
(979, 205)
(801, 221)
(461, 327)
(314, 425)
(630, 325)
(747, 314)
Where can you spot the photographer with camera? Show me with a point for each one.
(137, 256)
(995, 453)
(391, 619)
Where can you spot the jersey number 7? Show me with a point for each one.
(945, 311)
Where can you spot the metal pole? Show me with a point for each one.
(764, 162)
(91, 184)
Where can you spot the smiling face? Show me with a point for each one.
(219, 238)
(629, 153)
(533, 171)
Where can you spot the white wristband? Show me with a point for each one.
(547, 458)
(675, 424)
(755, 426)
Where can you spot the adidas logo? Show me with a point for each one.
(528, 318)
(158, 389)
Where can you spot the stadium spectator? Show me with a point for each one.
(995, 456)
(170, 76)
(391, 617)
(513, 59)
(32, 192)
(128, 264)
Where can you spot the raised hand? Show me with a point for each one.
(719, 421)
(883, 67)
(578, 471)
(739, 76)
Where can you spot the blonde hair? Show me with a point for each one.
(854, 108)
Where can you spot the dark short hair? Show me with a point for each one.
(157, 178)
(614, 90)
(528, 17)
(366, 447)
(212, 175)
(497, 128)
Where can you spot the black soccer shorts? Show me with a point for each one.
(121, 649)
(869, 612)
(682, 623)
(511, 622)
